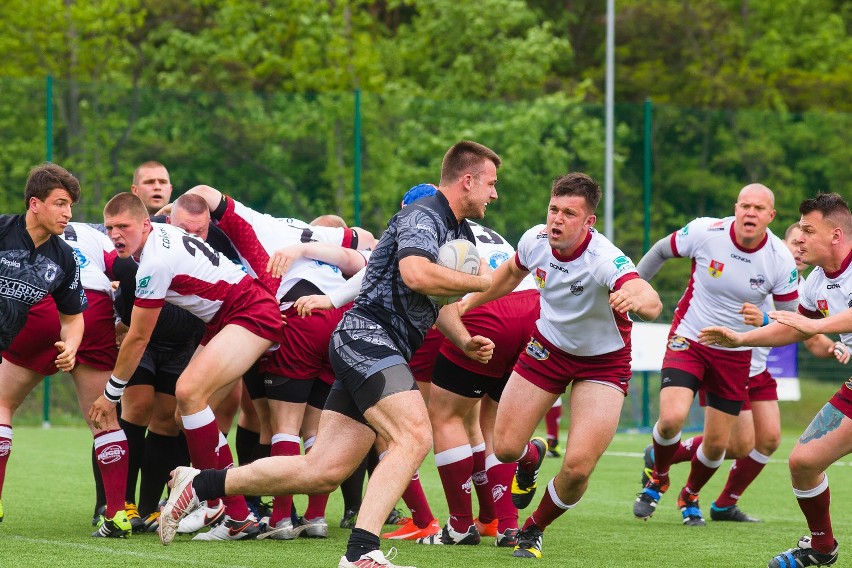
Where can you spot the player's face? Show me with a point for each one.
(568, 222)
(54, 212)
(197, 225)
(753, 213)
(153, 188)
(793, 241)
(127, 233)
(482, 190)
(816, 238)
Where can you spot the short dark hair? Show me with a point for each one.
(832, 207)
(463, 157)
(148, 164)
(579, 184)
(45, 178)
(192, 203)
(125, 202)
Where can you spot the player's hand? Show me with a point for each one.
(120, 332)
(623, 301)
(67, 356)
(479, 349)
(796, 321)
(306, 304)
(718, 335)
(484, 267)
(282, 259)
(100, 412)
(840, 352)
(752, 315)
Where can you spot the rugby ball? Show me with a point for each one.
(461, 255)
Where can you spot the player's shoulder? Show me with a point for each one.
(707, 226)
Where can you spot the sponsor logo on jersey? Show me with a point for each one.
(20, 291)
(717, 226)
(143, 282)
(685, 231)
(794, 276)
(822, 306)
(577, 288)
(715, 269)
(540, 277)
(5, 447)
(537, 351)
(678, 343)
(832, 287)
(110, 454)
(735, 256)
(82, 261)
(559, 268)
(849, 301)
(757, 281)
(622, 263)
(497, 258)
(12, 263)
(427, 228)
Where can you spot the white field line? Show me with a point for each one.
(640, 455)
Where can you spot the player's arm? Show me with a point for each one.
(503, 281)
(773, 335)
(349, 261)
(449, 323)
(142, 323)
(824, 347)
(637, 296)
(366, 239)
(655, 257)
(429, 278)
(71, 329)
(838, 323)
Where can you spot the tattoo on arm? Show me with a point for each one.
(827, 420)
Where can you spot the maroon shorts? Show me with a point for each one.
(761, 387)
(842, 399)
(33, 347)
(304, 351)
(721, 371)
(552, 370)
(250, 306)
(423, 361)
(508, 322)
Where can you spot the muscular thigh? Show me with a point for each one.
(826, 439)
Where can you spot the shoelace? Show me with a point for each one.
(131, 510)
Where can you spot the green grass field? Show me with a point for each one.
(48, 499)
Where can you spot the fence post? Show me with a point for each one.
(48, 156)
(356, 182)
(646, 242)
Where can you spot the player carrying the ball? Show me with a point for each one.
(374, 393)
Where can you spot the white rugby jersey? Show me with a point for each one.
(184, 270)
(759, 355)
(94, 253)
(575, 311)
(272, 233)
(724, 275)
(491, 245)
(828, 293)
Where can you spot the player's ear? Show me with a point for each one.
(590, 220)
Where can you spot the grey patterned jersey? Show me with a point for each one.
(418, 229)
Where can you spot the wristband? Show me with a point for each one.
(839, 348)
(114, 389)
(765, 319)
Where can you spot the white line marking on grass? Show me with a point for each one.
(110, 550)
(639, 455)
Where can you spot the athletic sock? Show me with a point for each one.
(361, 542)
(481, 485)
(551, 421)
(664, 450)
(353, 488)
(283, 445)
(499, 485)
(111, 450)
(743, 472)
(135, 455)
(415, 500)
(5, 451)
(815, 503)
(161, 457)
(210, 484)
(202, 438)
(316, 503)
(701, 470)
(529, 459)
(246, 440)
(100, 495)
(549, 509)
(686, 449)
(455, 467)
(235, 505)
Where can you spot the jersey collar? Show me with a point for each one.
(843, 266)
(744, 249)
(577, 252)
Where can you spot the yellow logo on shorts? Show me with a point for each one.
(537, 351)
(678, 343)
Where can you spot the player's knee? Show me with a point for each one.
(507, 452)
(576, 474)
(801, 465)
(739, 447)
(188, 393)
(768, 443)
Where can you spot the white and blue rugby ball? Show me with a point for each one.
(457, 254)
